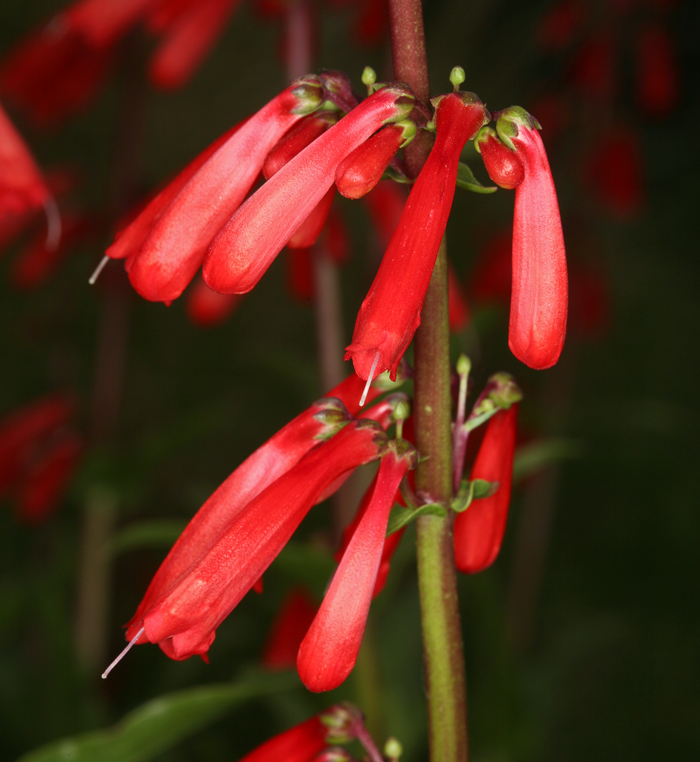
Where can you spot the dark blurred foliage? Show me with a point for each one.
(582, 639)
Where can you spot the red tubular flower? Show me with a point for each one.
(21, 185)
(206, 308)
(478, 531)
(298, 744)
(247, 245)
(539, 295)
(190, 37)
(173, 249)
(268, 463)
(504, 165)
(129, 240)
(359, 172)
(184, 617)
(329, 650)
(288, 630)
(390, 314)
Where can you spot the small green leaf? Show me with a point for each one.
(472, 490)
(466, 180)
(400, 517)
(159, 724)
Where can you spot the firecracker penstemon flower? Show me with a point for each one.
(390, 314)
(22, 187)
(539, 293)
(249, 242)
(479, 530)
(177, 235)
(184, 614)
(329, 651)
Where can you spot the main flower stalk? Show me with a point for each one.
(442, 637)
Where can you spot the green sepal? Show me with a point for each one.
(309, 93)
(401, 517)
(472, 490)
(510, 120)
(391, 174)
(466, 180)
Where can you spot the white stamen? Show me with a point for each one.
(98, 270)
(53, 223)
(369, 379)
(123, 653)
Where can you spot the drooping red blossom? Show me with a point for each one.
(139, 224)
(187, 40)
(184, 617)
(329, 650)
(615, 171)
(539, 294)
(505, 166)
(174, 247)
(458, 309)
(361, 170)
(206, 308)
(390, 314)
(390, 543)
(478, 531)
(45, 480)
(658, 77)
(246, 246)
(22, 188)
(269, 462)
(302, 743)
(288, 629)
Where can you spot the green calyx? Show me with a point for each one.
(485, 134)
(308, 92)
(333, 414)
(510, 120)
(505, 391)
(409, 131)
(341, 721)
(403, 449)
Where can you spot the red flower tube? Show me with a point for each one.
(296, 140)
(359, 172)
(329, 651)
(244, 249)
(298, 744)
(184, 618)
(390, 314)
(269, 462)
(173, 249)
(478, 531)
(21, 185)
(539, 294)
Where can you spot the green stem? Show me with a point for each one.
(437, 580)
